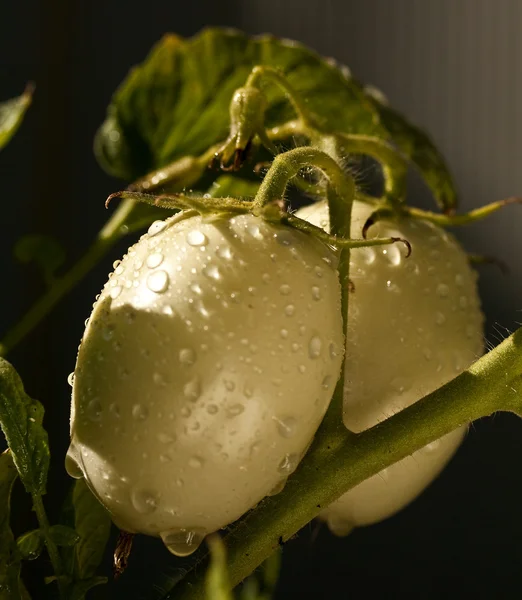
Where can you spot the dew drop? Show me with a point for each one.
(255, 232)
(185, 412)
(442, 290)
(334, 352)
(187, 356)
(94, 410)
(72, 465)
(70, 379)
(212, 272)
(427, 353)
(144, 501)
(196, 238)
(316, 293)
(183, 542)
(234, 410)
(212, 409)
(158, 281)
(430, 448)
(140, 412)
(463, 302)
(459, 280)
(284, 333)
(229, 385)
(156, 228)
(285, 290)
(154, 260)
(286, 426)
(158, 379)
(318, 272)
(115, 292)
(326, 383)
(440, 319)
(288, 464)
(192, 389)
(289, 310)
(164, 458)
(224, 252)
(302, 369)
(195, 462)
(278, 488)
(166, 438)
(114, 410)
(315, 347)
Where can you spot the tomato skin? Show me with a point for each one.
(205, 369)
(413, 325)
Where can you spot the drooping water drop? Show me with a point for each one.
(196, 238)
(192, 389)
(315, 347)
(234, 410)
(94, 410)
(212, 272)
(286, 426)
(154, 260)
(288, 464)
(144, 501)
(183, 542)
(156, 228)
(187, 356)
(72, 463)
(316, 293)
(158, 281)
(70, 379)
(278, 488)
(140, 412)
(196, 462)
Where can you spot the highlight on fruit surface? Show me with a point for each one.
(204, 371)
(413, 325)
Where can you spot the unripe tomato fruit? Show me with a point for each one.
(413, 325)
(206, 366)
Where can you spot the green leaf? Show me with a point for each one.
(421, 151)
(262, 583)
(62, 535)
(10, 585)
(44, 250)
(11, 115)
(93, 525)
(30, 544)
(21, 421)
(176, 102)
(217, 584)
(80, 588)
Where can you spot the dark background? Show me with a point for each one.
(452, 66)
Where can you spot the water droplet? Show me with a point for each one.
(187, 356)
(159, 379)
(114, 410)
(334, 352)
(195, 462)
(278, 488)
(316, 293)
(72, 463)
(154, 260)
(196, 238)
(463, 302)
(368, 255)
(229, 385)
(167, 310)
(289, 310)
(288, 464)
(428, 354)
(140, 412)
(286, 426)
(315, 347)
(459, 280)
(212, 409)
(185, 412)
(196, 288)
(192, 389)
(234, 410)
(107, 333)
(70, 379)
(255, 232)
(326, 383)
(284, 333)
(295, 347)
(302, 369)
(94, 410)
(470, 330)
(266, 278)
(180, 482)
(442, 290)
(158, 281)
(247, 391)
(440, 319)
(144, 501)
(212, 272)
(183, 542)
(339, 526)
(285, 290)
(164, 458)
(430, 448)
(224, 252)
(156, 228)
(115, 292)
(318, 272)
(166, 438)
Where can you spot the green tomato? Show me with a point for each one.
(204, 371)
(413, 325)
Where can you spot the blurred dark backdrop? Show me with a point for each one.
(454, 67)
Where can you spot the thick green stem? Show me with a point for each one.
(52, 549)
(492, 384)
